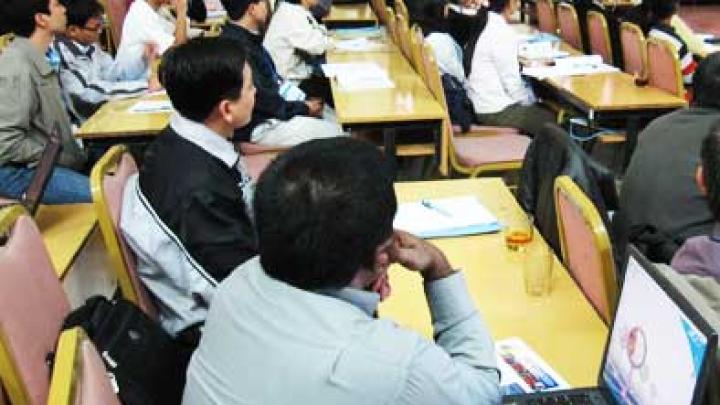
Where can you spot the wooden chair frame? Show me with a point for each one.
(417, 41)
(601, 239)
(403, 34)
(570, 8)
(402, 10)
(552, 7)
(634, 28)
(680, 86)
(391, 23)
(606, 32)
(68, 360)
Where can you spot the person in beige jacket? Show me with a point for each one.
(31, 105)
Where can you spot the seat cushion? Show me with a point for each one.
(476, 151)
(483, 130)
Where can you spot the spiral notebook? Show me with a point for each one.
(445, 217)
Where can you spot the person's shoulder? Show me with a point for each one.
(15, 67)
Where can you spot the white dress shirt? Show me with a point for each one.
(294, 29)
(448, 54)
(266, 342)
(494, 79)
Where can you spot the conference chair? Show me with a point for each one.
(79, 376)
(481, 150)
(663, 67)
(402, 10)
(391, 24)
(107, 183)
(569, 25)
(379, 7)
(258, 157)
(116, 10)
(634, 49)
(403, 34)
(33, 305)
(547, 22)
(599, 36)
(417, 41)
(585, 246)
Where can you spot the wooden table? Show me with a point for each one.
(64, 229)
(350, 15)
(113, 121)
(563, 328)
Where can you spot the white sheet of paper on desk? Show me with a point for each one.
(151, 106)
(357, 45)
(358, 32)
(570, 66)
(445, 217)
(358, 76)
(523, 371)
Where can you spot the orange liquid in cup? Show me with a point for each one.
(517, 239)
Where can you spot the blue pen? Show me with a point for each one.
(429, 205)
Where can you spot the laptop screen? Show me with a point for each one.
(655, 352)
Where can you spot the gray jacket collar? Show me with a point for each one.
(27, 49)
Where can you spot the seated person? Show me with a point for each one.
(275, 120)
(435, 22)
(662, 12)
(301, 315)
(701, 254)
(89, 75)
(658, 190)
(497, 91)
(185, 215)
(297, 44)
(145, 30)
(31, 105)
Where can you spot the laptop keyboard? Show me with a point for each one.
(562, 399)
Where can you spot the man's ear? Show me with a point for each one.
(224, 109)
(42, 20)
(700, 179)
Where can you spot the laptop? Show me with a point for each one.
(659, 350)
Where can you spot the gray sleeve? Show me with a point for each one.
(460, 368)
(16, 106)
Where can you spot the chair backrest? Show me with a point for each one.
(79, 376)
(116, 10)
(433, 81)
(33, 305)
(402, 10)
(569, 25)
(547, 22)
(634, 49)
(599, 36)
(403, 33)
(391, 24)
(663, 67)
(585, 246)
(379, 7)
(107, 183)
(417, 42)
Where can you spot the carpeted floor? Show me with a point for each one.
(702, 18)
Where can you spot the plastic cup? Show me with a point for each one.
(537, 270)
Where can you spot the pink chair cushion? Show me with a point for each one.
(662, 71)
(474, 128)
(569, 28)
(632, 49)
(257, 163)
(599, 44)
(583, 256)
(33, 305)
(546, 16)
(95, 386)
(113, 186)
(475, 151)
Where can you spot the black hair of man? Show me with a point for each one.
(497, 6)
(202, 72)
(237, 8)
(79, 12)
(18, 16)
(710, 155)
(321, 211)
(662, 9)
(291, 1)
(706, 82)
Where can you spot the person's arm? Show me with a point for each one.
(505, 56)
(181, 22)
(304, 34)
(460, 368)
(16, 104)
(694, 43)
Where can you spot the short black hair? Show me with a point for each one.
(202, 72)
(78, 12)
(18, 16)
(237, 8)
(710, 155)
(706, 82)
(662, 9)
(498, 6)
(321, 211)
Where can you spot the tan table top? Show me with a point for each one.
(409, 100)
(614, 91)
(64, 229)
(562, 328)
(113, 120)
(351, 13)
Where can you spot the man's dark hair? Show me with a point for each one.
(710, 155)
(79, 12)
(321, 211)
(18, 16)
(706, 82)
(662, 9)
(497, 6)
(237, 8)
(202, 72)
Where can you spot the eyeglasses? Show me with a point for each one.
(98, 26)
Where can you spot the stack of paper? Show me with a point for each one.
(522, 371)
(445, 217)
(151, 106)
(358, 76)
(359, 32)
(358, 45)
(570, 66)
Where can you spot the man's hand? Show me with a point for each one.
(150, 52)
(419, 255)
(154, 84)
(315, 107)
(181, 7)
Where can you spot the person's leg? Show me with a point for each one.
(294, 131)
(14, 181)
(66, 186)
(529, 119)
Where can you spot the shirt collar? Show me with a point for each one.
(26, 47)
(205, 138)
(366, 301)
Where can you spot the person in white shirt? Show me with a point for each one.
(498, 93)
(144, 28)
(297, 44)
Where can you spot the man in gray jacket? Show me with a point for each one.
(31, 104)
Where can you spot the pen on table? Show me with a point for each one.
(431, 206)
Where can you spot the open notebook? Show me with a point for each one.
(445, 217)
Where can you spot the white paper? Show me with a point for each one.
(444, 217)
(570, 66)
(523, 371)
(151, 106)
(357, 45)
(358, 76)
